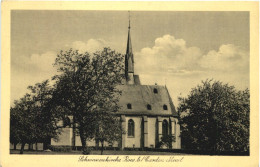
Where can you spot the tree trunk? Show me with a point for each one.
(22, 148)
(97, 144)
(30, 146)
(47, 143)
(36, 146)
(102, 147)
(15, 146)
(83, 140)
(74, 134)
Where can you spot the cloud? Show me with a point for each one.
(172, 55)
(44, 62)
(170, 61)
(168, 55)
(228, 58)
(29, 70)
(92, 45)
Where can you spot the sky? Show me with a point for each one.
(176, 49)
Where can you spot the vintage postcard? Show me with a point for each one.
(130, 84)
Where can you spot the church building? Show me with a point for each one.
(147, 113)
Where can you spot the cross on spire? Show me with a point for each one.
(129, 19)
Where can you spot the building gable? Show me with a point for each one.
(141, 96)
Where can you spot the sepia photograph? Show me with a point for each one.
(129, 82)
(131, 85)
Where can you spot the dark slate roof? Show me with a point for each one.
(139, 96)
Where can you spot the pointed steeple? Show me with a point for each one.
(129, 44)
(129, 58)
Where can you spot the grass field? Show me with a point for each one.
(96, 152)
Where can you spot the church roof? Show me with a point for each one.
(139, 96)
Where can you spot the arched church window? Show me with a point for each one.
(165, 128)
(155, 90)
(149, 107)
(129, 106)
(131, 128)
(165, 107)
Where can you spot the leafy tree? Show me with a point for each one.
(47, 113)
(87, 82)
(21, 123)
(33, 119)
(107, 127)
(215, 117)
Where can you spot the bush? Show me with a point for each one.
(86, 151)
(61, 148)
(166, 140)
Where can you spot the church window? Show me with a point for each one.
(165, 128)
(149, 107)
(165, 107)
(155, 91)
(129, 106)
(131, 128)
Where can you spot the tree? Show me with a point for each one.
(106, 126)
(215, 117)
(47, 114)
(86, 82)
(33, 119)
(21, 123)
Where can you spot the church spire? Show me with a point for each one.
(129, 59)
(129, 44)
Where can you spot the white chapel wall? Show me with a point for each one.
(65, 138)
(151, 131)
(130, 141)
